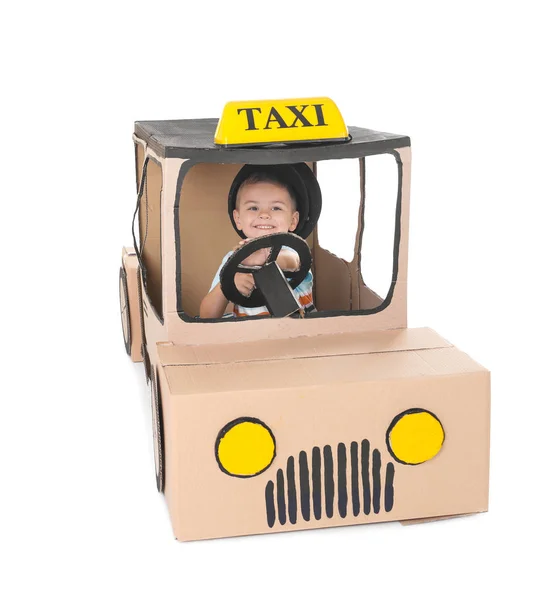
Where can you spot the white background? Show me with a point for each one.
(80, 516)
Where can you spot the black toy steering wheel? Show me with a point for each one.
(275, 241)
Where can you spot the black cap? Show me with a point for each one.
(300, 180)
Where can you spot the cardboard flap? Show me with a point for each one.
(342, 344)
(332, 372)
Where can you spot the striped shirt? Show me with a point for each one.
(303, 293)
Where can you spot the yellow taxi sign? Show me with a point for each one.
(295, 120)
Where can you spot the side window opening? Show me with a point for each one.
(337, 229)
(339, 182)
(139, 162)
(379, 223)
(150, 233)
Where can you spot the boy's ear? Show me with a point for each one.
(295, 221)
(236, 219)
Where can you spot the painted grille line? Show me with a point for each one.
(323, 483)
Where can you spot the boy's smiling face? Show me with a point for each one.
(264, 208)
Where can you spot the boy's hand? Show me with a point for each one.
(244, 282)
(258, 258)
(288, 260)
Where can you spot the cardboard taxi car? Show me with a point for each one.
(263, 424)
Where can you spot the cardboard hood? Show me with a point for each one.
(392, 340)
(329, 404)
(320, 360)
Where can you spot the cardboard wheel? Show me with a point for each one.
(157, 428)
(124, 309)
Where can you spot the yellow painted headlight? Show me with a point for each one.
(415, 436)
(245, 447)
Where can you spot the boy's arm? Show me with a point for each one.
(213, 304)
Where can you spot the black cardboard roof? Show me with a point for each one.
(194, 139)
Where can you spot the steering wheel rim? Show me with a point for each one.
(275, 241)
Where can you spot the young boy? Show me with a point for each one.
(264, 205)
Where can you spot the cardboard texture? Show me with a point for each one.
(341, 394)
(130, 265)
(265, 425)
(431, 519)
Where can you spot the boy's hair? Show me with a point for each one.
(264, 177)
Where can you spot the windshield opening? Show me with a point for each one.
(353, 245)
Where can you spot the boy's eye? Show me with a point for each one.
(277, 208)
(252, 208)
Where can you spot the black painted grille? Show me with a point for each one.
(316, 489)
